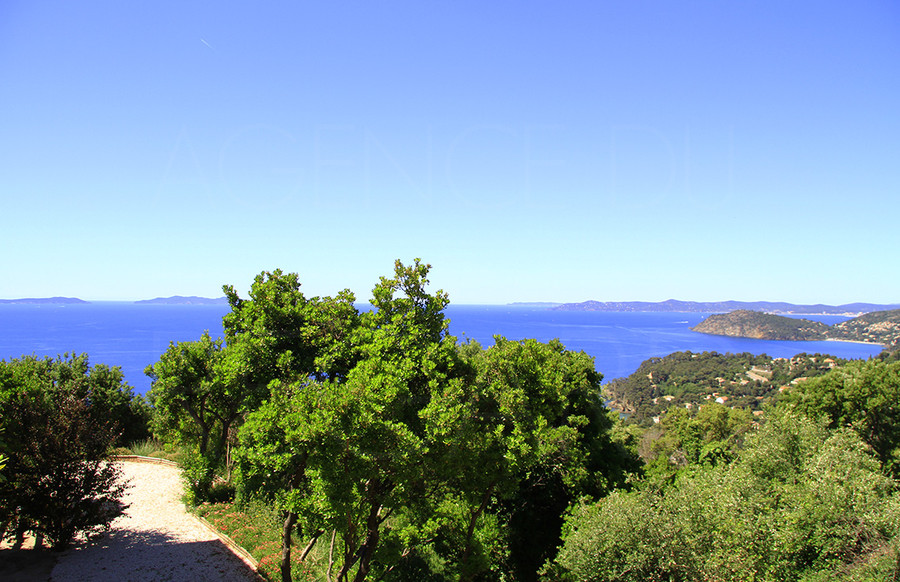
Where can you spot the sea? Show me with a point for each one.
(133, 336)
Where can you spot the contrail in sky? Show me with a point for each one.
(206, 43)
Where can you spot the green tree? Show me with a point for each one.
(111, 398)
(423, 458)
(194, 406)
(59, 422)
(273, 460)
(862, 396)
(347, 451)
(202, 390)
(513, 445)
(713, 435)
(278, 333)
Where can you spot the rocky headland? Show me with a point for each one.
(879, 327)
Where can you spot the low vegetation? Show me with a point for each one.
(256, 528)
(798, 502)
(153, 448)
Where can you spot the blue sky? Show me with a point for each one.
(530, 151)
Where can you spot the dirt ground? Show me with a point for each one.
(156, 539)
(26, 565)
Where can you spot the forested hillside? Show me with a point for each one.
(759, 325)
(806, 492)
(878, 327)
(690, 380)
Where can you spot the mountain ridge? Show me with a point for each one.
(676, 305)
(44, 301)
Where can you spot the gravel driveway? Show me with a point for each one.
(156, 539)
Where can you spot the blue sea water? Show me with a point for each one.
(133, 336)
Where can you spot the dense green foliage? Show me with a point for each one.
(800, 502)
(60, 417)
(392, 452)
(863, 396)
(811, 495)
(417, 457)
(195, 407)
(427, 459)
(202, 390)
(714, 435)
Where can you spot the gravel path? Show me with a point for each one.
(156, 539)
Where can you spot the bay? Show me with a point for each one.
(621, 341)
(133, 336)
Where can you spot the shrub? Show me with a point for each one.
(799, 503)
(59, 482)
(59, 420)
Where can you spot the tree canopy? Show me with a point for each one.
(425, 455)
(863, 396)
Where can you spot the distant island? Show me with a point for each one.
(879, 327)
(674, 305)
(43, 301)
(179, 300)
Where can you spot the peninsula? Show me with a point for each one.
(180, 300)
(879, 327)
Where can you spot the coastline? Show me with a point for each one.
(834, 339)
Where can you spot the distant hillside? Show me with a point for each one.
(674, 305)
(759, 325)
(692, 380)
(881, 327)
(43, 301)
(179, 300)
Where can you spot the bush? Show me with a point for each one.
(145, 447)
(58, 481)
(199, 475)
(799, 503)
(59, 420)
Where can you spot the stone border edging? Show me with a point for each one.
(140, 459)
(241, 553)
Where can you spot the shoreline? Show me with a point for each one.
(847, 341)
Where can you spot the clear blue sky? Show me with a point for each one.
(530, 151)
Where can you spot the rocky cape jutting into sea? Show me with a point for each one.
(878, 327)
